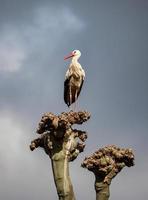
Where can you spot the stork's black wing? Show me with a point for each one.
(67, 91)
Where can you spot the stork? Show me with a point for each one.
(74, 78)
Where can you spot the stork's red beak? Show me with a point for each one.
(69, 56)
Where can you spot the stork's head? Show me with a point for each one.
(76, 54)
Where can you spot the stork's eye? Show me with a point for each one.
(74, 51)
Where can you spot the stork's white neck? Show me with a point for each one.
(75, 60)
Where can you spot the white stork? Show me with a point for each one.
(74, 78)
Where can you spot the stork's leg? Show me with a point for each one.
(74, 106)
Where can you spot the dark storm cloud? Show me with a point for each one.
(34, 37)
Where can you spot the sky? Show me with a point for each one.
(35, 35)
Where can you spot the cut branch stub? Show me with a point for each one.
(75, 117)
(49, 121)
(54, 128)
(104, 159)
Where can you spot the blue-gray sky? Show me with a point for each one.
(35, 35)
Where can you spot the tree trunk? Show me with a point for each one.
(60, 167)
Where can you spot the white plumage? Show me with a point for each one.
(74, 78)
